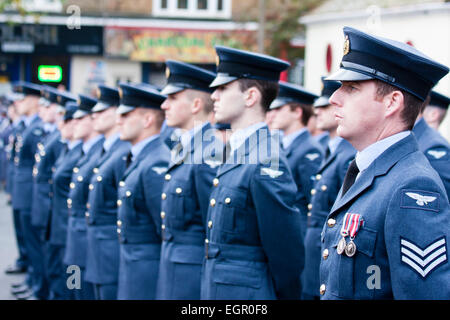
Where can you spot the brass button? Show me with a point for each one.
(119, 203)
(80, 178)
(163, 196)
(75, 170)
(215, 182)
(119, 223)
(122, 184)
(88, 205)
(42, 153)
(331, 223)
(119, 231)
(325, 254)
(178, 190)
(69, 201)
(309, 214)
(324, 188)
(91, 187)
(313, 191)
(95, 170)
(53, 169)
(163, 227)
(128, 194)
(163, 214)
(72, 185)
(210, 224)
(227, 200)
(212, 202)
(206, 241)
(99, 178)
(168, 177)
(322, 289)
(310, 206)
(318, 177)
(87, 214)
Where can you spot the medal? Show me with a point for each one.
(350, 249)
(341, 246)
(344, 232)
(356, 221)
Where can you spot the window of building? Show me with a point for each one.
(202, 4)
(211, 9)
(182, 4)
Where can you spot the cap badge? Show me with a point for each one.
(99, 93)
(58, 98)
(167, 72)
(120, 93)
(346, 45)
(217, 60)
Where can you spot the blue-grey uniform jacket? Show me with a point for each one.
(401, 248)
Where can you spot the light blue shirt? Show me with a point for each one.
(334, 143)
(186, 137)
(239, 136)
(137, 148)
(49, 127)
(88, 144)
(73, 144)
(287, 140)
(365, 158)
(110, 141)
(30, 119)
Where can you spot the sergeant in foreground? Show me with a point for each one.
(432, 144)
(77, 202)
(253, 232)
(293, 109)
(102, 262)
(188, 181)
(386, 235)
(328, 182)
(139, 200)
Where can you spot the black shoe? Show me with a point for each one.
(27, 295)
(20, 290)
(13, 269)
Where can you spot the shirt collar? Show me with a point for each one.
(49, 127)
(288, 139)
(239, 136)
(137, 148)
(88, 144)
(365, 158)
(28, 120)
(73, 144)
(186, 137)
(334, 143)
(110, 141)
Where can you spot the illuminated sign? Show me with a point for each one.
(50, 73)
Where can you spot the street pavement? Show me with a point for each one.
(8, 249)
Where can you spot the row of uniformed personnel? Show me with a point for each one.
(248, 219)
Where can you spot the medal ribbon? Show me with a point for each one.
(356, 221)
(346, 225)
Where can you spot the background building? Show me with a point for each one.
(423, 24)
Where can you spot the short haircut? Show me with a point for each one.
(268, 89)
(208, 103)
(412, 105)
(159, 115)
(307, 111)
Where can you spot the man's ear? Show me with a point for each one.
(251, 97)
(196, 105)
(149, 118)
(393, 102)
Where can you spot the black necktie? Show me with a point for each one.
(350, 176)
(129, 159)
(103, 152)
(327, 152)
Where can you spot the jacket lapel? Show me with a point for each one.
(379, 167)
(152, 145)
